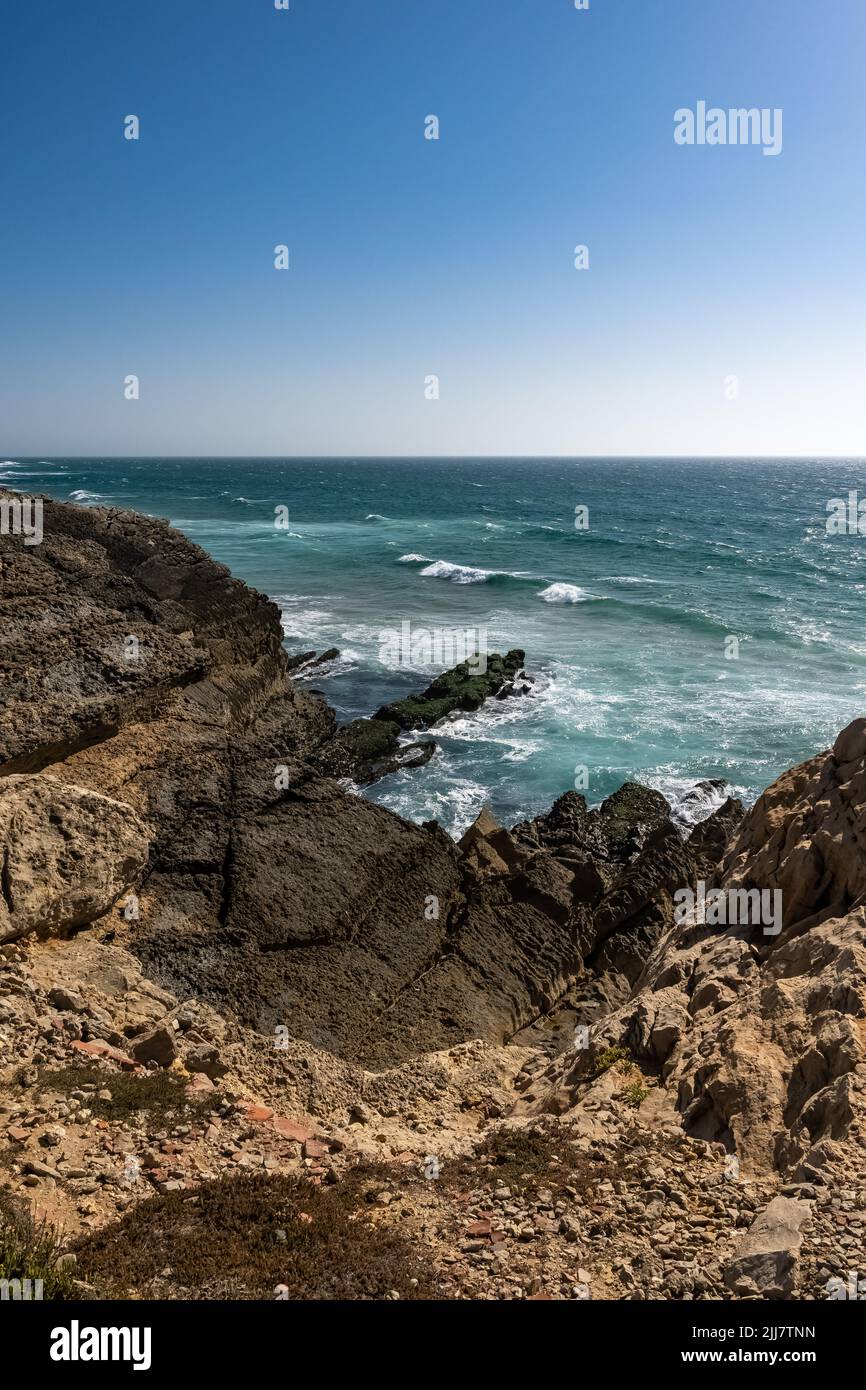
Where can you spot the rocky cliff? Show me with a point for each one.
(191, 886)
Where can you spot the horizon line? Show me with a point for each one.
(464, 458)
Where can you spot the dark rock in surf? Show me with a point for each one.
(367, 749)
(461, 689)
(301, 663)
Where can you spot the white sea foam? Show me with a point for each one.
(457, 574)
(413, 559)
(303, 624)
(82, 495)
(471, 574)
(455, 805)
(628, 579)
(564, 593)
(692, 802)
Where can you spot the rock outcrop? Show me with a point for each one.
(342, 984)
(461, 690)
(759, 1033)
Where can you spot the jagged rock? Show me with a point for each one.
(463, 688)
(807, 834)
(710, 838)
(67, 854)
(488, 849)
(305, 662)
(768, 1254)
(630, 815)
(612, 832)
(761, 1037)
(367, 749)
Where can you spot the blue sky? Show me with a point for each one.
(412, 257)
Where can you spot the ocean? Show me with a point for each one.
(702, 624)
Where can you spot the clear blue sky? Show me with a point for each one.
(411, 257)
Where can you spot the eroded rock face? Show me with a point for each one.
(807, 834)
(66, 855)
(760, 1038)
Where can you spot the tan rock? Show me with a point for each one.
(768, 1254)
(69, 854)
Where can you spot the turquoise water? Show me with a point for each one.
(625, 624)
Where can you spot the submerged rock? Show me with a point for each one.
(302, 663)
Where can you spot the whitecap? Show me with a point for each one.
(457, 574)
(305, 624)
(628, 579)
(563, 593)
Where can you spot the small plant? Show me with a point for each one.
(528, 1159)
(635, 1094)
(29, 1250)
(607, 1059)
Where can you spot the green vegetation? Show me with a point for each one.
(528, 1158)
(634, 1094)
(607, 1059)
(245, 1235)
(160, 1094)
(30, 1250)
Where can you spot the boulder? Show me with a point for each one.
(489, 850)
(768, 1254)
(68, 854)
(850, 745)
(159, 1046)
